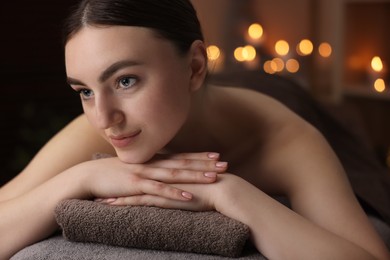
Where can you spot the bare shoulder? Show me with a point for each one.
(270, 128)
(269, 114)
(75, 143)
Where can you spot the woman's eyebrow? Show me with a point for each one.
(72, 81)
(107, 73)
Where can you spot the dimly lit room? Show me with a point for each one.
(328, 61)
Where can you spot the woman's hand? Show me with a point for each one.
(211, 196)
(109, 179)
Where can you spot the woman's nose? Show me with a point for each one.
(107, 113)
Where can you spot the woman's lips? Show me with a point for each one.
(124, 140)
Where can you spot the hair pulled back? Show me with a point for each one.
(174, 20)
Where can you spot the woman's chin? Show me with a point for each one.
(134, 158)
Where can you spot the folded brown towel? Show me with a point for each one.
(151, 228)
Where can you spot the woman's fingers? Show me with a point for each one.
(174, 175)
(201, 199)
(161, 189)
(191, 156)
(151, 201)
(191, 164)
(158, 178)
(148, 187)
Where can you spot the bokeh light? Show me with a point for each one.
(325, 49)
(249, 53)
(380, 85)
(292, 66)
(305, 47)
(376, 64)
(238, 54)
(213, 52)
(255, 31)
(282, 47)
(278, 64)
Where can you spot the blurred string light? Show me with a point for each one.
(216, 59)
(238, 54)
(379, 85)
(269, 67)
(282, 47)
(305, 47)
(377, 67)
(377, 64)
(292, 66)
(255, 31)
(278, 64)
(213, 52)
(246, 53)
(325, 50)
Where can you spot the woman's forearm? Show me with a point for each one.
(280, 233)
(29, 218)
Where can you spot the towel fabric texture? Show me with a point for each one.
(58, 248)
(151, 228)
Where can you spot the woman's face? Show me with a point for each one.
(134, 86)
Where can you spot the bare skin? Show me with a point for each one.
(159, 104)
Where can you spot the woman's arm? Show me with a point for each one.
(277, 231)
(62, 170)
(29, 217)
(280, 233)
(299, 162)
(295, 160)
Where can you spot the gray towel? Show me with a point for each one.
(151, 228)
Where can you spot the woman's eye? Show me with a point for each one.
(127, 82)
(86, 93)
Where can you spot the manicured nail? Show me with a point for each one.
(213, 155)
(210, 174)
(186, 195)
(110, 200)
(221, 164)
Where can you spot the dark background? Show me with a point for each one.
(35, 101)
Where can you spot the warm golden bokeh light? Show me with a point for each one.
(282, 47)
(249, 53)
(376, 64)
(216, 59)
(238, 54)
(246, 53)
(325, 49)
(305, 47)
(255, 31)
(213, 52)
(269, 67)
(379, 85)
(278, 63)
(292, 66)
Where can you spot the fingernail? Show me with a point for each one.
(210, 174)
(110, 200)
(186, 195)
(98, 200)
(213, 155)
(221, 164)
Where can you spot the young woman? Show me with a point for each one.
(140, 69)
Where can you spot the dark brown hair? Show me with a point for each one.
(174, 20)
